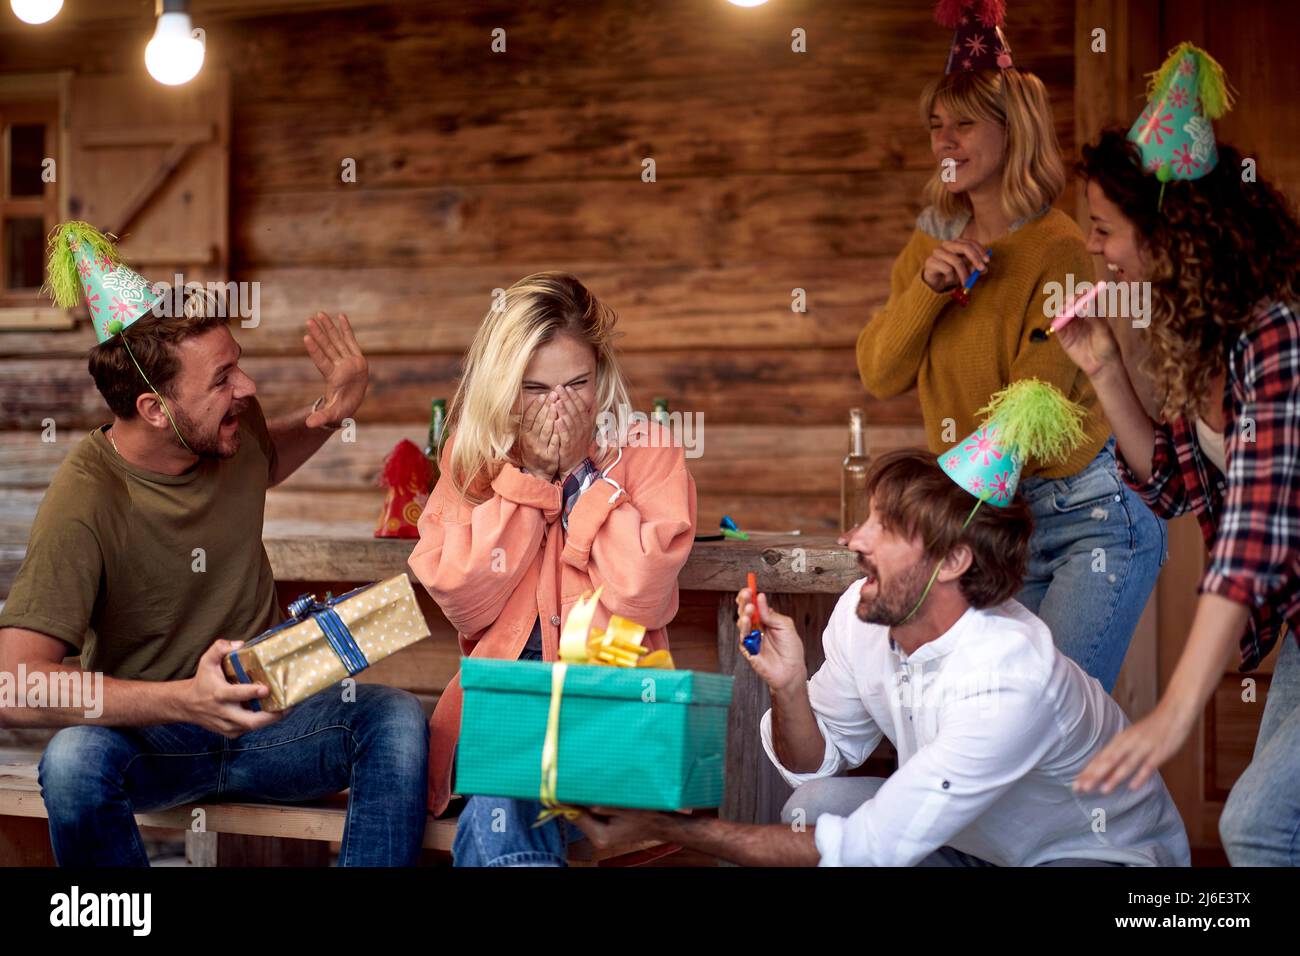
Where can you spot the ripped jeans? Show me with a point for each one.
(1093, 561)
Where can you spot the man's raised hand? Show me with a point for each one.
(338, 358)
(780, 660)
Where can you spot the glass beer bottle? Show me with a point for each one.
(660, 413)
(433, 450)
(853, 476)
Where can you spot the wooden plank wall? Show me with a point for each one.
(775, 170)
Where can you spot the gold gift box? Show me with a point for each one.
(296, 659)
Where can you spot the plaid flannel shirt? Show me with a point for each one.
(582, 478)
(1250, 519)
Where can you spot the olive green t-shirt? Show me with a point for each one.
(114, 566)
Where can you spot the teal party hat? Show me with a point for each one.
(84, 263)
(1174, 133)
(1027, 419)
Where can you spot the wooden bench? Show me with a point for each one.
(24, 837)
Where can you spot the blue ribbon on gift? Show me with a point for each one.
(336, 633)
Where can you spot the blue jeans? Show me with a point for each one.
(1260, 825)
(93, 778)
(1094, 557)
(499, 831)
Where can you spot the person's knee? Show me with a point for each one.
(500, 832)
(78, 766)
(827, 795)
(805, 802)
(395, 726)
(395, 712)
(498, 814)
(1240, 822)
(1251, 828)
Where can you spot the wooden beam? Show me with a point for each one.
(36, 317)
(192, 133)
(138, 199)
(191, 255)
(811, 563)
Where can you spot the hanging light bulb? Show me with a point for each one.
(36, 11)
(749, 3)
(174, 55)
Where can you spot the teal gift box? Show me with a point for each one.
(628, 737)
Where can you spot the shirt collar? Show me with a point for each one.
(940, 646)
(932, 222)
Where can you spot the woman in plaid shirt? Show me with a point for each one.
(1222, 258)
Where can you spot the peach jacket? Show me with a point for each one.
(634, 546)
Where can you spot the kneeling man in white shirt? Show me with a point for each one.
(991, 723)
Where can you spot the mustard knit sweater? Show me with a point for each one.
(958, 357)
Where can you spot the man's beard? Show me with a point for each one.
(206, 444)
(892, 603)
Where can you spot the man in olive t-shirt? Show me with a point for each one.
(141, 571)
(146, 557)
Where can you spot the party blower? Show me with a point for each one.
(961, 294)
(753, 641)
(1072, 310)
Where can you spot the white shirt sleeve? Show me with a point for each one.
(988, 739)
(849, 732)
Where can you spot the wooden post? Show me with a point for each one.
(200, 848)
(25, 841)
(238, 849)
(755, 791)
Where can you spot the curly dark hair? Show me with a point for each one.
(1219, 248)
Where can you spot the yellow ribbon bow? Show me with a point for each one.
(617, 645)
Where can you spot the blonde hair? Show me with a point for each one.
(530, 314)
(1033, 175)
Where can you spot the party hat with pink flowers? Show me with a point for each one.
(978, 42)
(1174, 133)
(84, 263)
(1027, 419)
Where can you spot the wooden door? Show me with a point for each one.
(150, 164)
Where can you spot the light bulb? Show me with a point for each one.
(36, 11)
(749, 3)
(173, 56)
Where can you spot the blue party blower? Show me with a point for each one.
(753, 641)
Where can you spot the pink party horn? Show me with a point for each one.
(1080, 303)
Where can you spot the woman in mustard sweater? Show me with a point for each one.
(1096, 549)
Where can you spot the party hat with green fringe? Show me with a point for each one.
(1174, 133)
(84, 262)
(1027, 419)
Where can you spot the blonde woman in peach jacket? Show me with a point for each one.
(542, 497)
